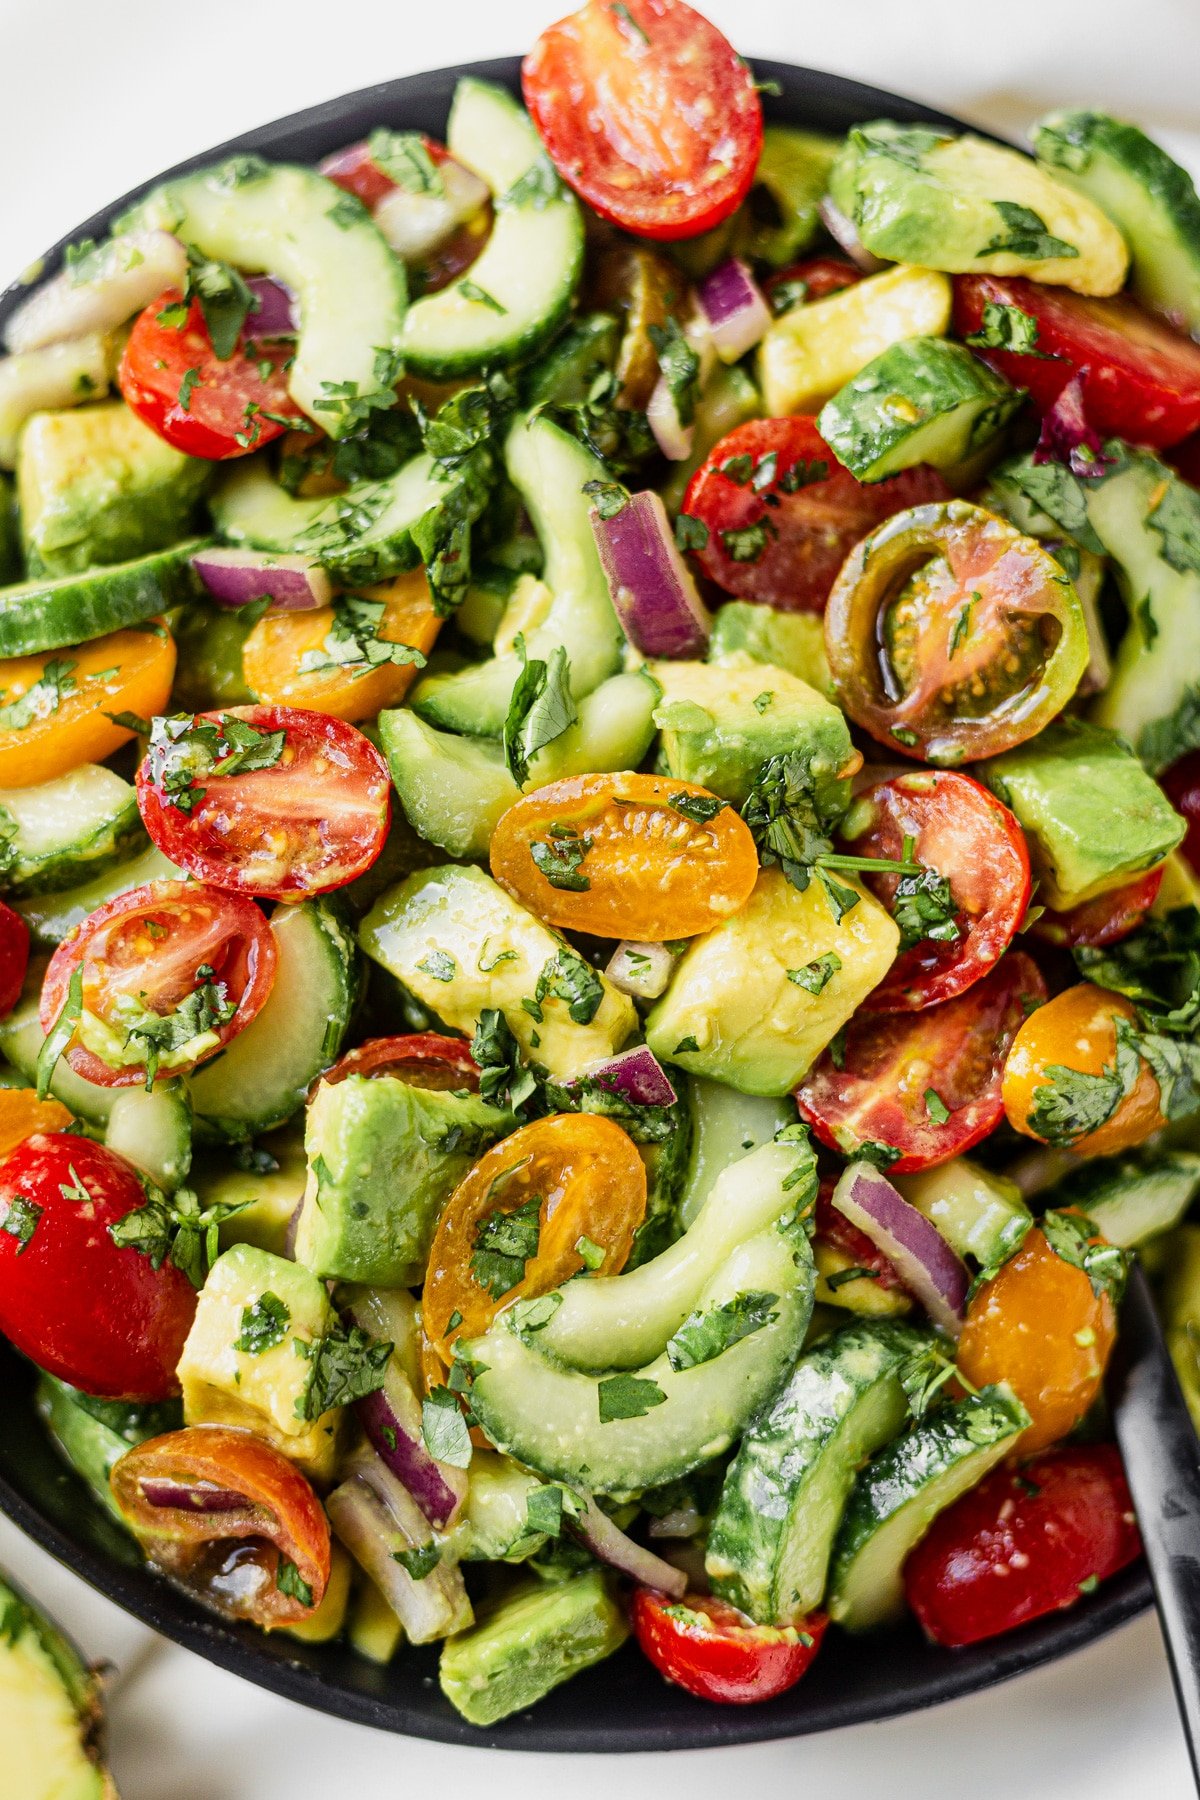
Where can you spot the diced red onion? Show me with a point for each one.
(193, 1496)
(415, 224)
(643, 970)
(391, 1418)
(737, 313)
(373, 1521)
(277, 315)
(923, 1259)
(124, 275)
(610, 1544)
(238, 577)
(841, 230)
(637, 1075)
(1067, 437)
(651, 586)
(672, 436)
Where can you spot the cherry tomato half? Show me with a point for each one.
(577, 1175)
(424, 1059)
(811, 279)
(1075, 1035)
(648, 112)
(1105, 920)
(78, 690)
(1181, 784)
(175, 382)
(1039, 1325)
(144, 956)
(230, 1519)
(14, 957)
(782, 514)
(1025, 1542)
(626, 856)
(1141, 380)
(950, 635)
(896, 1075)
(962, 833)
(715, 1652)
(309, 814)
(80, 1306)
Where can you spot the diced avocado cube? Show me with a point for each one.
(461, 944)
(95, 485)
(793, 641)
(383, 1159)
(268, 1199)
(1093, 817)
(732, 1011)
(530, 1642)
(240, 1365)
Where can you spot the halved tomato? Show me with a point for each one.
(1065, 1083)
(926, 1085)
(76, 697)
(424, 1059)
(1105, 920)
(715, 1652)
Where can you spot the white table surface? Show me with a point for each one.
(98, 96)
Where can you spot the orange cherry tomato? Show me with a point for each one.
(626, 856)
(1074, 1035)
(1039, 1325)
(279, 655)
(229, 1518)
(571, 1176)
(22, 1113)
(127, 671)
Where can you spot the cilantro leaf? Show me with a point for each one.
(705, 1335)
(1072, 1103)
(347, 1363)
(444, 1429)
(61, 1032)
(440, 965)
(504, 1243)
(569, 978)
(626, 1397)
(815, 976)
(289, 1581)
(925, 909)
(20, 1220)
(690, 533)
(559, 857)
(419, 1563)
(264, 1324)
(699, 808)
(1105, 1265)
(1006, 328)
(1025, 234)
(354, 641)
(185, 750)
(679, 365)
(404, 158)
(541, 708)
(179, 1228)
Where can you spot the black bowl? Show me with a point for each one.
(621, 1705)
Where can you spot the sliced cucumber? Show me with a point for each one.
(154, 1131)
(563, 374)
(520, 287)
(1132, 1198)
(51, 916)
(453, 789)
(209, 668)
(614, 730)
(61, 832)
(21, 1038)
(786, 1489)
(979, 1214)
(292, 223)
(94, 1434)
(923, 400)
(48, 615)
(899, 1494)
(726, 1126)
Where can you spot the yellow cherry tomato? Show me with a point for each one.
(1075, 1035)
(22, 1113)
(72, 693)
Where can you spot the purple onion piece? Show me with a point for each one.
(920, 1254)
(733, 305)
(277, 315)
(391, 1418)
(610, 1544)
(642, 970)
(672, 436)
(842, 231)
(652, 589)
(1067, 437)
(236, 578)
(374, 1524)
(637, 1075)
(192, 1496)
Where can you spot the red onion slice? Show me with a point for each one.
(192, 1496)
(374, 1524)
(734, 306)
(610, 1544)
(923, 1259)
(637, 1075)
(115, 281)
(236, 578)
(642, 970)
(652, 589)
(841, 230)
(391, 1418)
(1068, 437)
(277, 315)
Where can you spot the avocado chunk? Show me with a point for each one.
(268, 1197)
(781, 219)
(494, 1523)
(1144, 192)
(383, 1159)
(530, 1642)
(791, 641)
(94, 1434)
(461, 945)
(51, 1720)
(95, 485)
(732, 1012)
(240, 1364)
(1093, 817)
(209, 670)
(919, 195)
(923, 400)
(720, 723)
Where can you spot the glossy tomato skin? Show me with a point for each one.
(806, 518)
(424, 1059)
(820, 275)
(1024, 1543)
(124, 672)
(963, 833)
(891, 1062)
(1105, 920)
(1141, 379)
(176, 384)
(91, 1313)
(312, 821)
(717, 1653)
(14, 957)
(1077, 1030)
(1181, 784)
(649, 114)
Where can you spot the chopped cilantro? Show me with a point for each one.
(815, 976)
(419, 1563)
(701, 809)
(346, 1364)
(444, 1429)
(680, 367)
(626, 1397)
(440, 965)
(540, 710)
(936, 1107)
(1025, 234)
(705, 1335)
(504, 1243)
(690, 533)
(608, 497)
(559, 857)
(289, 1581)
(264, 1324)
(42, 699)
(1006, 328)
(20, 1220)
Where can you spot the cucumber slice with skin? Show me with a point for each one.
(924, 400)
(67, 830)
(726, 1126)
(21, 1038)
(979, 1214)
(94, 1434)
(520, 287)
(49, 615)
(50, 917)
(899, 1494)
(153, 1130)
(1132, 1198)
(292, 223)
(786, 1489)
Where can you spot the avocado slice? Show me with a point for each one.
(528, 1643)
(791, 641)
(51, 1720)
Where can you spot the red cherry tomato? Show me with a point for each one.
(717, 1653)
(1025, 1542)
(817, 275)
(648, 112)
(424, 1059)
(835, 1229)
(1105, 920)
(963, 834)
(1181, 784)
(143, 955)
(97, 1315)
(1141, 380)
(895, 1068)
(175, 382)
(782, 514)
(14, 957)
(311, 820)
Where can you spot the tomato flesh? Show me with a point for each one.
(311, 821)
(1076, 1032)
(14, 957)
(892, 1063)
(1181, 784)
(717, 1653)
(1105, 920)
(649, 114)
(423, 1059)
(90, 1312)
(965, 835)
(782, 514)
(1024, 1543)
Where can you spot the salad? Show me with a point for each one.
(600, 821)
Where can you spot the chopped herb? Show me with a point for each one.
(686, 1046)
(737, 469)
(504, 1243)
(626, 1397)
(569, 978)
(471, 290)
(705, 1335)
(178, 1228)
(881, 1155)
(680, 367)
(962, 624)
(42, 699)
(544, 1509)
(403, 156)
(538, 187)
(936, 1107)
(352, 409)
(533, 1315)
(347, 1364)
(264, 1324)
(189, 1025)
(762, 701)
(440, 965)
(592, 1254)
(815, 976)
(541, 708)
(444, 1429)
(1070, 1235)
(802, 474)
(632, 28)
(501, 956)
(61, 1032)
(74, 1189)
(1089, 1584)
(903, 734)
(1072, 1103)
(786, 294)
(1006, 328)
(701, 809)
(608, 497)
(187, 388)
(842, 1276)
(925, 909)
(503, 1079)
(746, 543)
(129, 721)
(690, 533)
(420, 1562)
(559, 858)
(1025, 234)
(184, 750)
(355, 640)
(289, 1581)
(924, 1374)
(347, 210)
(20, 1220)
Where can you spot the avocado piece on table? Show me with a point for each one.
(95, 485)
(1093, 817)
(790, 640)
(532, 1640)
(51, 1720)
(733, 1012)
(963, 204)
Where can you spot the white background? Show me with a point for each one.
(98, 96)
